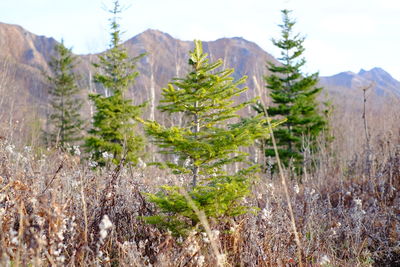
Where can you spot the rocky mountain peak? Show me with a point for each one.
(150, 35)
(17, 44)
(383, 83)
(376, 74)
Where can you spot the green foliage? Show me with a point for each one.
(64, 122)
(294, 96)
(114, 132)
(207, 144)
(218, 200)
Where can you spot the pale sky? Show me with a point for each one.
(342, 35)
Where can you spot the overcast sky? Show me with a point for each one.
(341, 35)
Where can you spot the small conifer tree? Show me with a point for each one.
(114, 134)
(64, 121)
(206, 145)
(294, 96)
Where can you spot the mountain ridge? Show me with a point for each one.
(28, 54)
(377, 79)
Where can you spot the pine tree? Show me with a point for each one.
(206, 145)
(64, 121)
(294, 96)
(114, 134)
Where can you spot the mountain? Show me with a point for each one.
(166, 58)
(24, 58)
(24, 47)
(381, 82)
(384, 82)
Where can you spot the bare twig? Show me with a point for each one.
(84, 208)
(367, 134)
(364, 117)
(54, 176)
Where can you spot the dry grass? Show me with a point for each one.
(56, 211)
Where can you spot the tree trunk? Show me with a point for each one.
(196, 130)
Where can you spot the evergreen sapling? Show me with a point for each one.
(114, 133)
(207, 145)
(293, 94)
(65, 125)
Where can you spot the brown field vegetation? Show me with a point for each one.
(56, 211)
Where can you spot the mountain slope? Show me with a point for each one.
(381, 82)
(23, 47)
(384, 82)
(24, 57)
(167, 58)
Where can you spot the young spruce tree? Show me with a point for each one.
(206, 145)
(64, 121)
(294, 96)
(114, 134)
